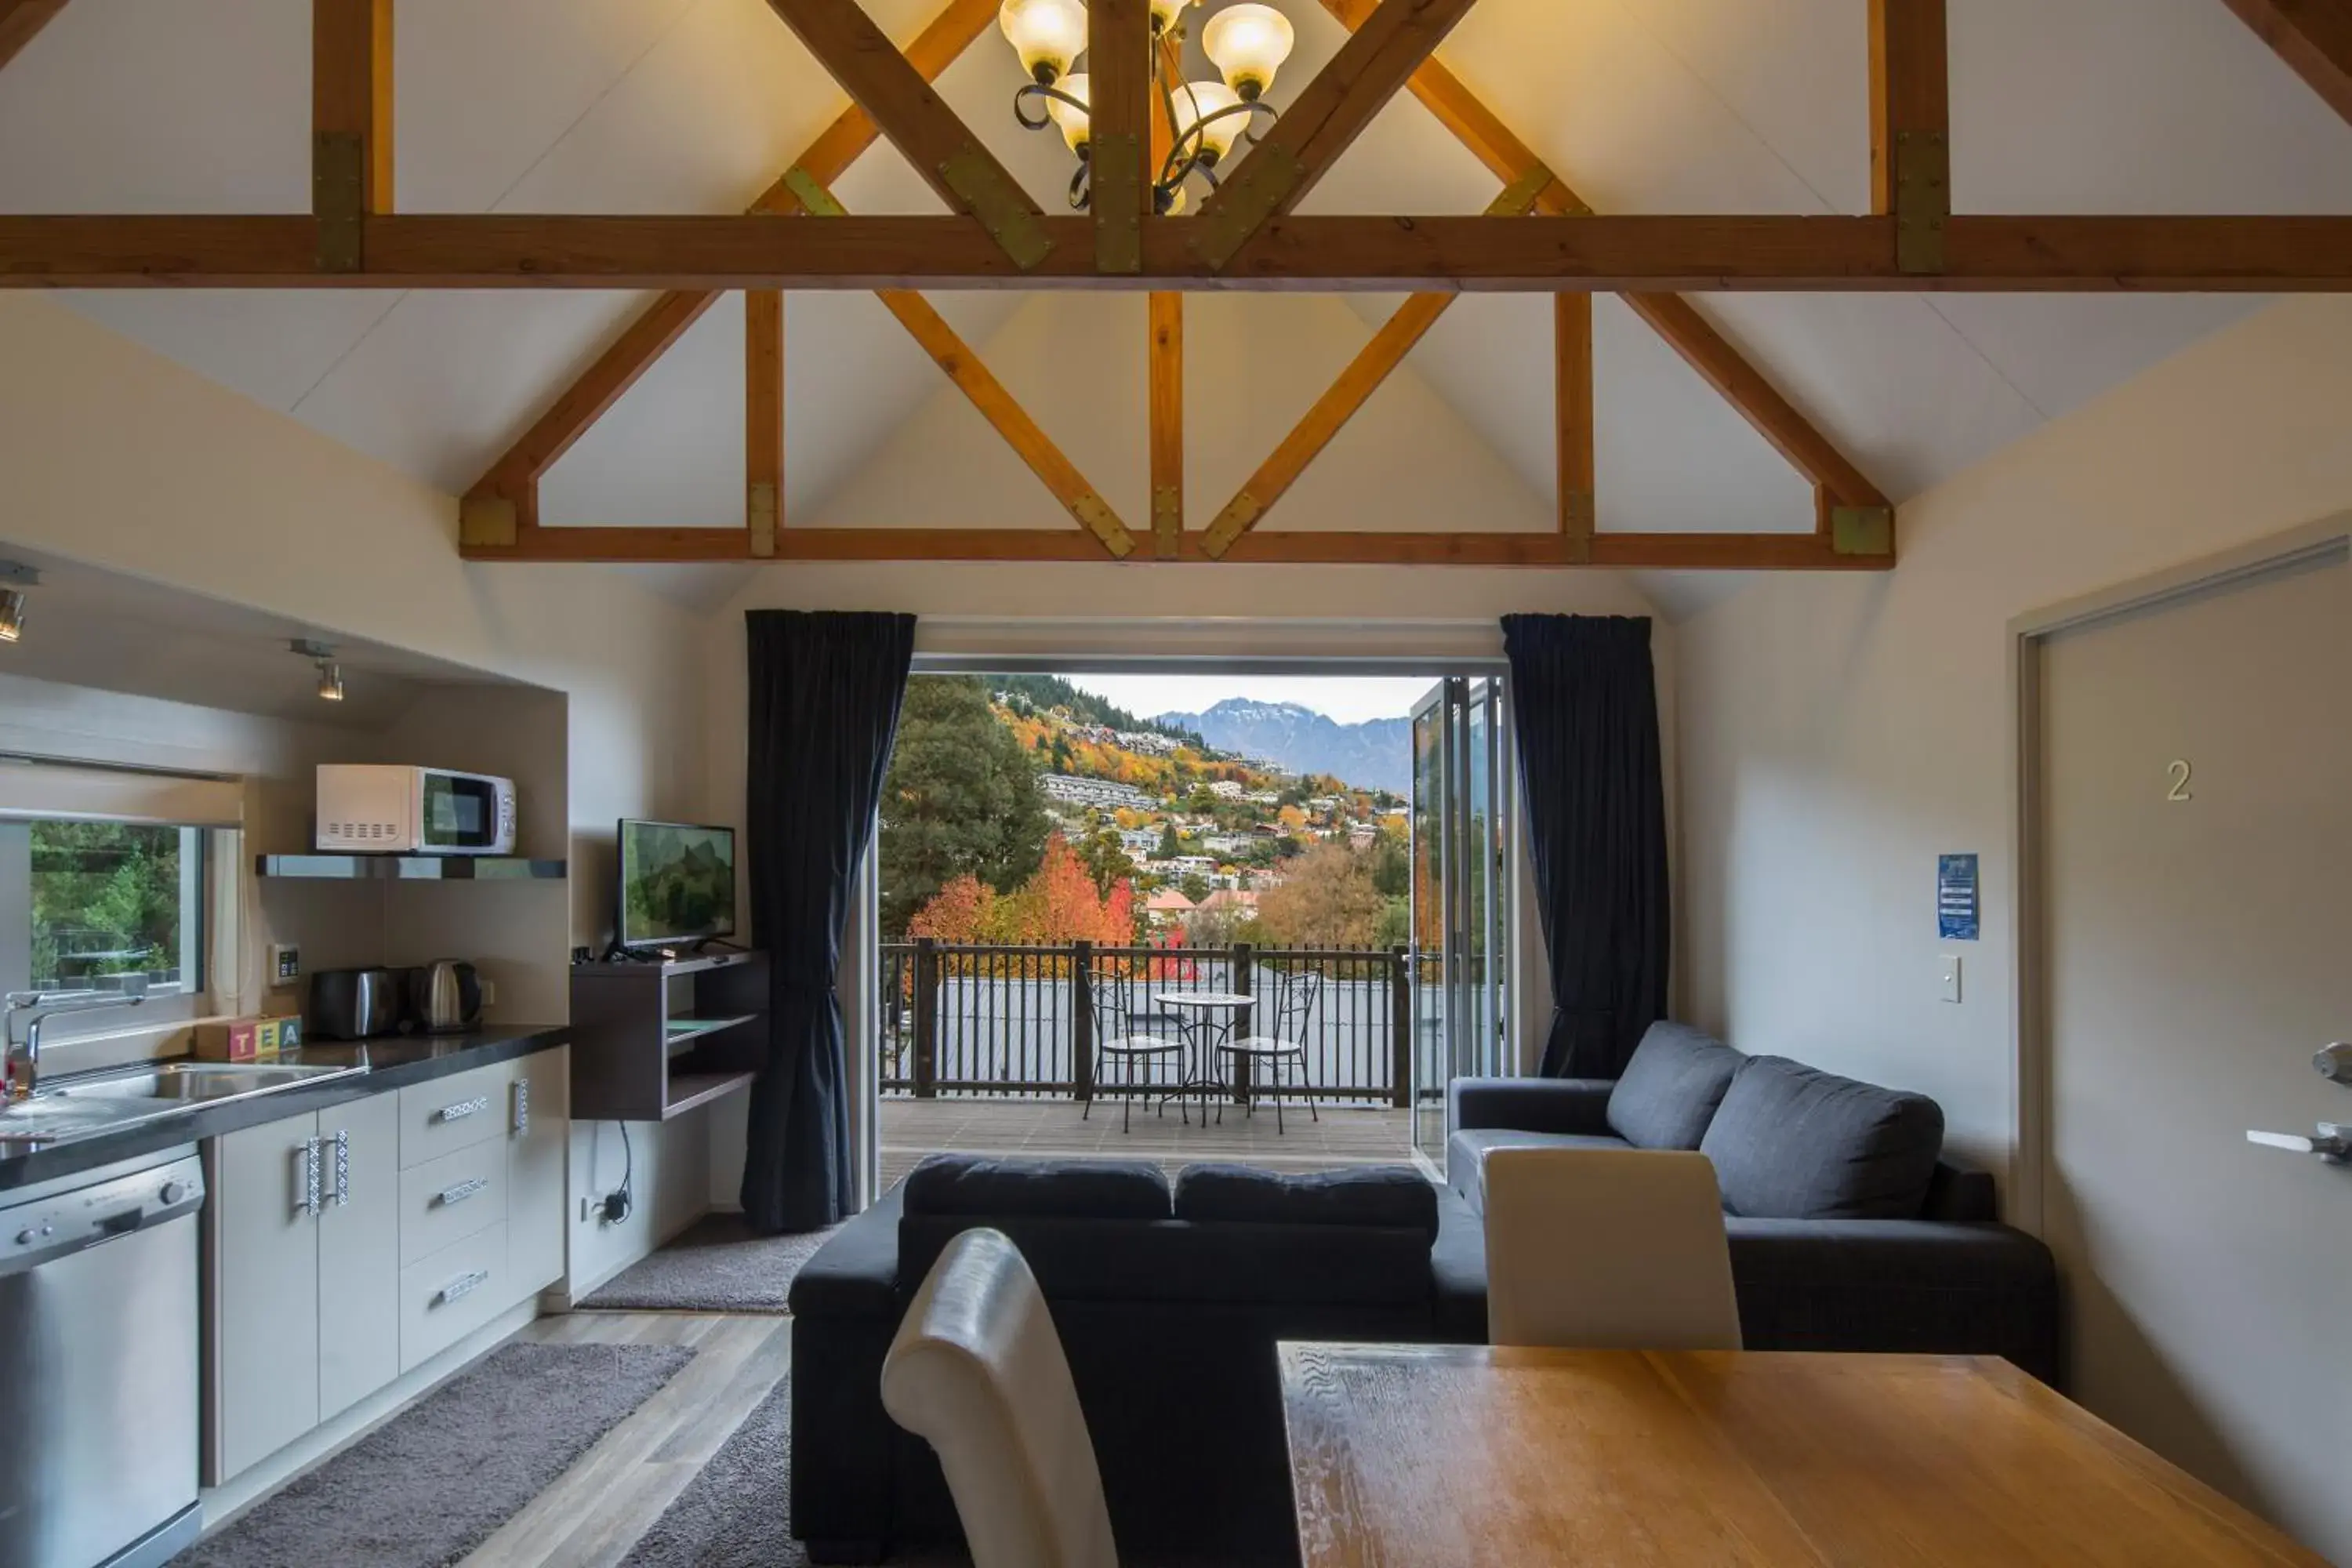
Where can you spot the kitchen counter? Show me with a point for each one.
(393, 1062)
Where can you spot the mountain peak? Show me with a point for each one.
(1374, 754)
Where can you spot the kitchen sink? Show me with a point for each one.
(109, 1101)
(202, 1082)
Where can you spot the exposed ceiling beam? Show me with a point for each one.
(1322, 122)
(1910, 128)
(1666, 551)
(1166, 404)
(1687, 333)
(2314, 37)
(350, 125)
(1353, 388)
(849, 44)
(21, 21)
(1573, 418)
(763, 419)
(1120, 59)
(1539, 255)
(664, 322)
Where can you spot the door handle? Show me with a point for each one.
(463, 1109)
(307, 1199)
(343, 1168)
(2331, 1143)
(518, 1111)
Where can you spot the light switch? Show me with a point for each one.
(1952, 977)
(285, 963)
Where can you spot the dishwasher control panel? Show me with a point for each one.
(38, 1230)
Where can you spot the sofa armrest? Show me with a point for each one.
(1531, 1104)
(1917, 1286)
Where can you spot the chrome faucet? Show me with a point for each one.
(23, 1067)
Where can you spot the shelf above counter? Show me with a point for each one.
(410, 868)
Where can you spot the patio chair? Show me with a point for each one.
(1294, 1007)
(1118, 1041)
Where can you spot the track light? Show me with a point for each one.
(331, 674)
(14, 578)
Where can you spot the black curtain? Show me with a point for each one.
(826, 690)
(1584, 703)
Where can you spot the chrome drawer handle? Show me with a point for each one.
(464, 1285)
(343, 1168)
(463, 1109)
(461, 1191)
(520, 1121)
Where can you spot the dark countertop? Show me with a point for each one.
(394, 1063)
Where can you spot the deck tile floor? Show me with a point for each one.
(1343, 1136)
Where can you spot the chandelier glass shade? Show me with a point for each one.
(1204, 119)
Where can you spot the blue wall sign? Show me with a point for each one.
(1956, 897)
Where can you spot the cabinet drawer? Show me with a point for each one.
(452, 1113)
(445, 1199)
(449, 1294)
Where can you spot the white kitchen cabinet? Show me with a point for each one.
(347, 1247)
(359, 1251)
(538, 1156)
(262, 1260)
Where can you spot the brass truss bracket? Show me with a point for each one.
(810, 192)
(339, 198)
(1118, 201)
(486, 518)
(1093, 514)
(1240, 514)
(760, 513)
(1576, 519)
(1167, 521)
(1265, 177)
(1922, 199)
(1861, 529)
(990, 196)
(1520, 197)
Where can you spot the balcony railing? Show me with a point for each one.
(979, 1020)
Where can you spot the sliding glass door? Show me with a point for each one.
(1461, 894)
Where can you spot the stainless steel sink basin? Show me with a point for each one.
(109, 1101)
(202, 1082)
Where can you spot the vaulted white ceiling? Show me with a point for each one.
(1642, 105)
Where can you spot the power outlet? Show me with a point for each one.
(489, 991)
(1951, 992)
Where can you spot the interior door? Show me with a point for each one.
(2196, 805)
(1461, 903)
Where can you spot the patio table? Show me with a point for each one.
(1205, 1020)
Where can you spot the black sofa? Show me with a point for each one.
(1169, 1303)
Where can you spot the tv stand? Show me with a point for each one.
(656, 1038)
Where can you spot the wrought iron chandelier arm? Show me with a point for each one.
(1045, 116)
(1189, 147)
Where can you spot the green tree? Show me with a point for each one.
(1061, 753)
(1194, 886)
(961, 799)
(1104, 856)
(106, 900)
(1169, 845)
(1391, 866)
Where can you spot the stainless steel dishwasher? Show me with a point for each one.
(97, 1365)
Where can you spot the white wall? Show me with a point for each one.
(115, 456)
(1838, 732)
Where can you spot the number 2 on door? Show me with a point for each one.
(2178, 770)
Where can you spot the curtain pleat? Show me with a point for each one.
(825, 692)
(1584, 701)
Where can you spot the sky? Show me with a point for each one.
(1350, 699)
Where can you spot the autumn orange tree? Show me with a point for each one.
(1327, 899)
(1058, 903)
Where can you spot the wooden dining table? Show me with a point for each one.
(1431, 1455)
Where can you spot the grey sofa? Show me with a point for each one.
(1848, 1230)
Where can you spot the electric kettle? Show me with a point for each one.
(444, 997)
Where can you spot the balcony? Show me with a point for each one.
(989, 1050)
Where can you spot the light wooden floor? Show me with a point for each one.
(596, 1510)
(1344, 1134)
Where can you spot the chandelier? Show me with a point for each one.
(1204, 118)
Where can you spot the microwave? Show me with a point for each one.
(385, 809)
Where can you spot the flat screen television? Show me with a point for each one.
(678, 883)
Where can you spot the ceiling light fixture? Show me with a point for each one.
(14, 578)
(1204, 118)
(331, 674)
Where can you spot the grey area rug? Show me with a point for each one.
(718, 1265)
(433, 1483)
(736, 1513)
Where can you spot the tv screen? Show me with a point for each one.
(677, 882)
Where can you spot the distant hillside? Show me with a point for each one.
(1375, 754)
(1047, 692)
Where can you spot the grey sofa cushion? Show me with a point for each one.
(1792, 1142)
(1394, 1195)
(1068, 1189)
(1467, 1152)
(1671, 1087)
